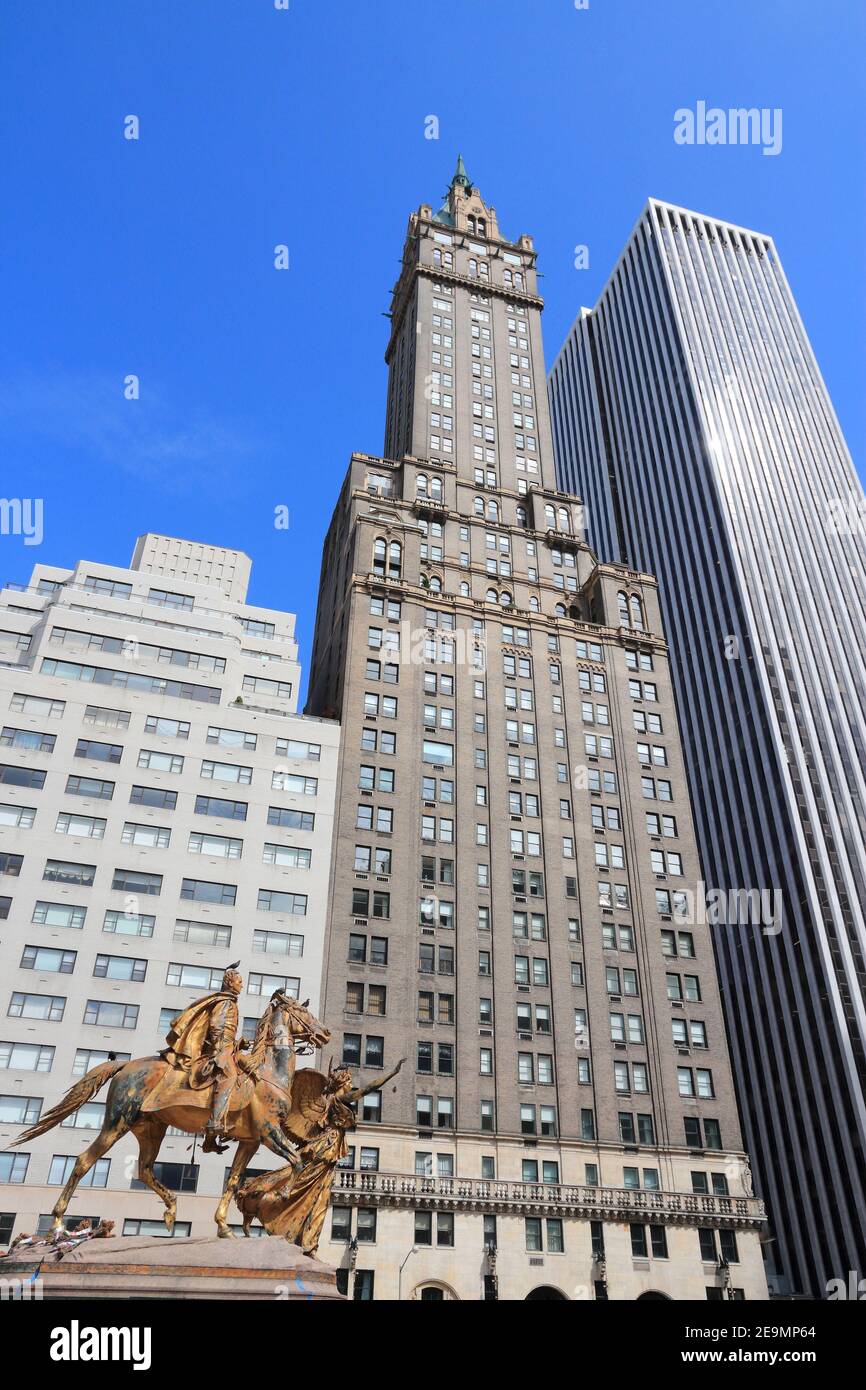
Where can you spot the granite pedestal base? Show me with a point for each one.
(266, 1268)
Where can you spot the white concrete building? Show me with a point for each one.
(690, 414)
(164, 810)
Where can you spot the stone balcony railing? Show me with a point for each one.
(367, 1187)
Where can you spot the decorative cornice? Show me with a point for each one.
(432, 272)
(366, 1188)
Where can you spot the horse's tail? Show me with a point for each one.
(82, 1091)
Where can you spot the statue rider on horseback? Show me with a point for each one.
(202, 1042)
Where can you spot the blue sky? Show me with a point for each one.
(306, 127)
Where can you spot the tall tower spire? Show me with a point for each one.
(460, 175)
(509, 856)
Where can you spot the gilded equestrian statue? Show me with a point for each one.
(202, 1082)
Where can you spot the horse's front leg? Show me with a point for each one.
(83, 1164)
(243, 1154)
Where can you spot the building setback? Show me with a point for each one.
(690, 413)
(513, 842)
(164, 810)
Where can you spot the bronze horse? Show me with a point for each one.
(259, 1106)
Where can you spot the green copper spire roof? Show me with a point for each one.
(460, 174)
(461, 180)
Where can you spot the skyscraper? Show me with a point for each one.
(690, 413)
(164, 810)
(512, 841)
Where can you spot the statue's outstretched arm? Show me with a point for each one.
(374, 1085)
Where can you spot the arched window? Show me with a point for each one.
(622, 603)
(505, 599)
(421, 485)
(492, 510)
(563, 519)
(518, 280)
(479, 506)
(492, 596)
(470, 222)
(533, 603)
(435, 584)
(521, 516)
(464, 589)
(559, 610)
(434, 1293)
(482, 226)
(436, 489)
(379, 552)
(395, 560)
(550, 517)
(636, 611)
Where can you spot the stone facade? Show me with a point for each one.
(513, 844)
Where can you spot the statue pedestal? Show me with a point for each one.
(264, 1268)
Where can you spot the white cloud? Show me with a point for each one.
(176, 448)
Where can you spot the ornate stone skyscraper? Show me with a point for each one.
(690, 412)
(510, 904)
